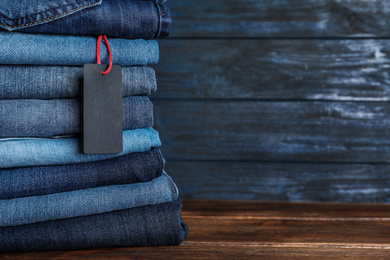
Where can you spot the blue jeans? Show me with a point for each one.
(27, 210)
(43, 49)
(35, 118)
(155, 225)
(43, 180)
(21, 152)
(52, 82)
(130, 19)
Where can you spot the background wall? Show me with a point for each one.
(277, 100)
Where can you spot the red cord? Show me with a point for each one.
(98, 52)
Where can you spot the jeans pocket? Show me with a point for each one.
(26, 13)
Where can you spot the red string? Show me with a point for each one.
(98, 52)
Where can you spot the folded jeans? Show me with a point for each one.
(44, 180)
(21, 152)
(44, 49)
(28, 210)
(129, 19)
(155, 225)
(53, 82)
(45, 118)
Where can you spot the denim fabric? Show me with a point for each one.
(52, 82)
(43, 180)
(20, 152)
(27, 210)
(15, 14)
(35, 118)
(43, 49)
(155, 225)
(129, 19)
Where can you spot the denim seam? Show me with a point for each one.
(173, 186)
(159, 12)
(49, 18)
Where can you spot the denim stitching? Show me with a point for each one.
(42, 20)
(40, 13)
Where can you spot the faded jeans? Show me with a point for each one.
(45, 118)
(28, 210)
(21, 152)
(44, 49)
(52, 82)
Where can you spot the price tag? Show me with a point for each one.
(102, 110)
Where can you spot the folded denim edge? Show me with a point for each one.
(24, 219)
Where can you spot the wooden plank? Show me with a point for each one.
(353, 183)
(202, 251)
(294, 232)
(295, 224)
(253, 230)
(280, 18)
(285, 210)
(274, 131)
(343, 70)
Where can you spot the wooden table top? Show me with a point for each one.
(267, 230)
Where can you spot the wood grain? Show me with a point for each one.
(297, 224)
(221, 251)
(321, 182)
(238, 90)
(280, 18)
(274, 131)
(253, 230)
(285, 210)
(342, 70)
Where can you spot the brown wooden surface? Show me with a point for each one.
(270, 230)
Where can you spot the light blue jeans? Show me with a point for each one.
(44, 49)
(20, 152)
(27, 210)
(52, 82)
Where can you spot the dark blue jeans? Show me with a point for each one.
(129, 19)
(43, 180)
(44, 118)
(154, 225)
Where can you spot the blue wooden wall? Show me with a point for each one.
(277, 99)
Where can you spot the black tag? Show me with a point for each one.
(102, 109)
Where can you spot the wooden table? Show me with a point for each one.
(263, 230)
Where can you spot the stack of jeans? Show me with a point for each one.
(52, 195)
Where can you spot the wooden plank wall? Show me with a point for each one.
(277, 100)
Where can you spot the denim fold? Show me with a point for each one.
(128, 19)
(44, 118)
(21, 152)
(44, 49)
(28, 210)
(154, 225)
(44, 180)
(55, 82)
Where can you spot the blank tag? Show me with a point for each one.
(102, 101)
